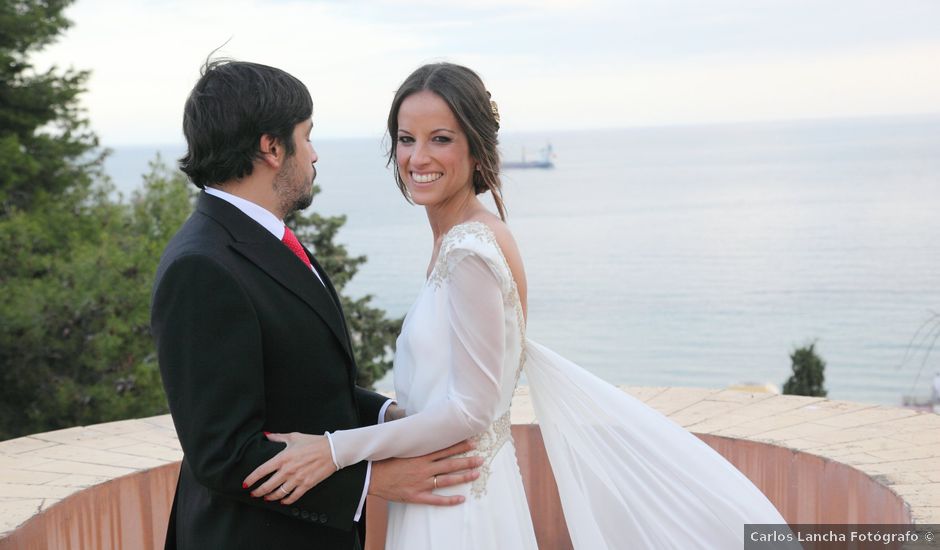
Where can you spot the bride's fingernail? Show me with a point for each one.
(266, 434)
(244, 485)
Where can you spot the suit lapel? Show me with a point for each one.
(329, 286)
(286, 269)
(261, 248)
(339, 307)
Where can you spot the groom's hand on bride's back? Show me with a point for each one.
(414, 479)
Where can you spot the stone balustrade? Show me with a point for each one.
(819, 461)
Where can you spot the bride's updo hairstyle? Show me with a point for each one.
(464, 92)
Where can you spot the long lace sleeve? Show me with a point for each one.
(474, 311)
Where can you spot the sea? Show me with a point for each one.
(696, 256)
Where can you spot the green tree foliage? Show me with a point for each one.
(808, 373)
(75, 345)
(373, 334)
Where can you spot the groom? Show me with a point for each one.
(250, 334)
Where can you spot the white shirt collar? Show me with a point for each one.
(264, 217)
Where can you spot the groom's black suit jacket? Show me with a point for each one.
(248, 341)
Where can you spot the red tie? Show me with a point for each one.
(294, 245)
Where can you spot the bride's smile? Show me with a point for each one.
(420, 179)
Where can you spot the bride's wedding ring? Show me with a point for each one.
(435, 482)
(283, 490)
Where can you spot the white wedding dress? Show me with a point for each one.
(628, 477)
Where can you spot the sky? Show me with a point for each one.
(549, 64)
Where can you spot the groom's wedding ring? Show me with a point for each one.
(435, 482)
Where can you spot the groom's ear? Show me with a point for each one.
(272, 151)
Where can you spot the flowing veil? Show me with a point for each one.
(628, 476)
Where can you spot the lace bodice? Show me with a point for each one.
(458, 357)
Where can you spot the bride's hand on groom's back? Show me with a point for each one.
(305, 462)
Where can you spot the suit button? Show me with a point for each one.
(294, 512)
(314, 517)
(305, 514)
(323, 518)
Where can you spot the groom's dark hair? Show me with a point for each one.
(232, 105)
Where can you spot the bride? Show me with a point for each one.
(627, 476)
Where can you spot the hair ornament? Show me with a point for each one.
(493, 109)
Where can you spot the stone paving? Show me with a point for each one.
(899, 448)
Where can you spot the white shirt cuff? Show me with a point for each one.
(382, 412)
(365, 491)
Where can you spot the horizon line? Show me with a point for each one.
(665, 125)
